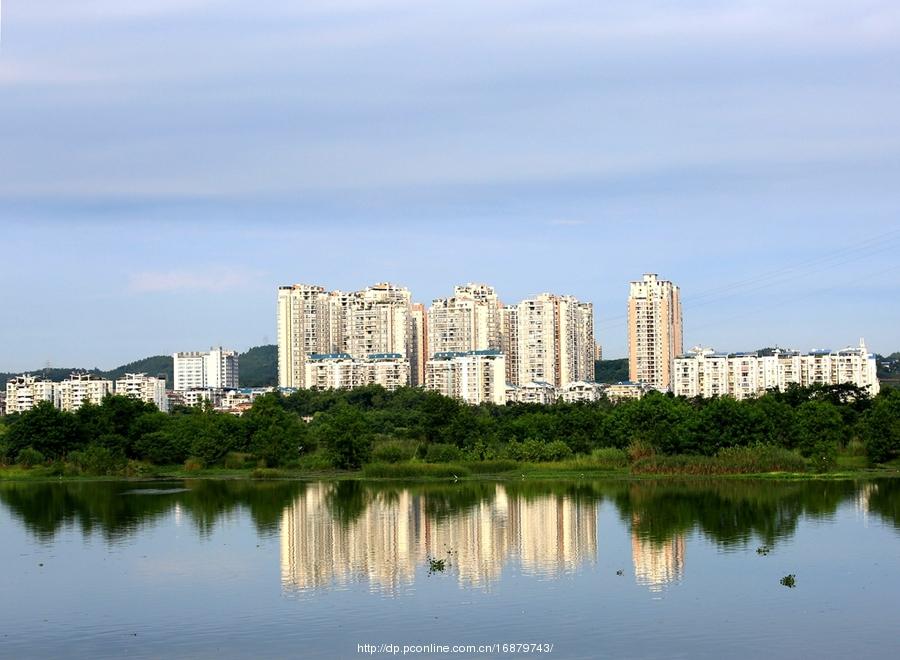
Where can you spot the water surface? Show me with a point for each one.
(237, 569)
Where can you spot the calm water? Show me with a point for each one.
(207, 569)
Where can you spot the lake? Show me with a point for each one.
(583, 569)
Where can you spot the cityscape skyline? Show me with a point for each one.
(616, 348)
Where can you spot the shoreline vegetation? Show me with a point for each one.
(413, 434)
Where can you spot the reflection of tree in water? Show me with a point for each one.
(729, 512)
(116, 511)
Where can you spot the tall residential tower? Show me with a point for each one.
(654, 331)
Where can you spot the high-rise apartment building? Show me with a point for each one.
(654, 331)
(148, 389)
(509, 341)
(467, 321)
(311, 321)
(554, 340)
(24, 392)
(216, 368)
(417, 343)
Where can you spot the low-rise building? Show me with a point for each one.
(148, 389)
(24, 392)
(472, 376)
(536, 391)
(706, 373)
(580, 390)
(626, 391)
(81, 388)
(216, 368)
(340, 371)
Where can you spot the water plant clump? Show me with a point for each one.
(763, 550)
(439, 565)
(789, 581)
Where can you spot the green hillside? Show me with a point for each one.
(611, 371)
(258, 368)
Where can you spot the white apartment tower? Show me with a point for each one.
(216, 368)
(550, 338)
(467, 321)
(654, 331)
(311, 321)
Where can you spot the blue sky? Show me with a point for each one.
(165, 164)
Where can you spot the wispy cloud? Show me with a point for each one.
(216, 280)
(568, 223)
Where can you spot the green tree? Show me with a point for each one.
(345, 435)
(817, 423)
(50, 431)
(881, 426)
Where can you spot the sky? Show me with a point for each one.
(166, 164)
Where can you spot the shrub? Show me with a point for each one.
(555, 451)
(492, 467)
(97, 460)
(734, 460)
(824, 456)
(441, 453)
(393, 452)
(193, 464)
(639, 449)
(235, 460)
(609, 457)
(414, 470)
(29, 457)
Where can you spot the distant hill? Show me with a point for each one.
(258, 368)
(611, 371)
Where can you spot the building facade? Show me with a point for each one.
(472, 376)
(706, 373)
(377, 320)
(82, 388)
(467, 321)
(148, 389)
(550, 338)
(654, 331)
(216, 368)
(26, 391)
(341, 371)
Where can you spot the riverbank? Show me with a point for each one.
(443, 472)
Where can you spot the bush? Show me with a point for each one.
(824, 456)
(97, 460)
(492, 467)
(235, 460)
(414, 470)
(29, 457)
(441, 453)
(755, 459)
(193, 464)
(393, 452)
(639, 449)
(609, 457)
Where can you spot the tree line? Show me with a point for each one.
(346, 429)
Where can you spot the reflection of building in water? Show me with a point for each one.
(555, 534)
(479, 539)
(656, 564)
(393, 536)
(317, 551)
(863, 493)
